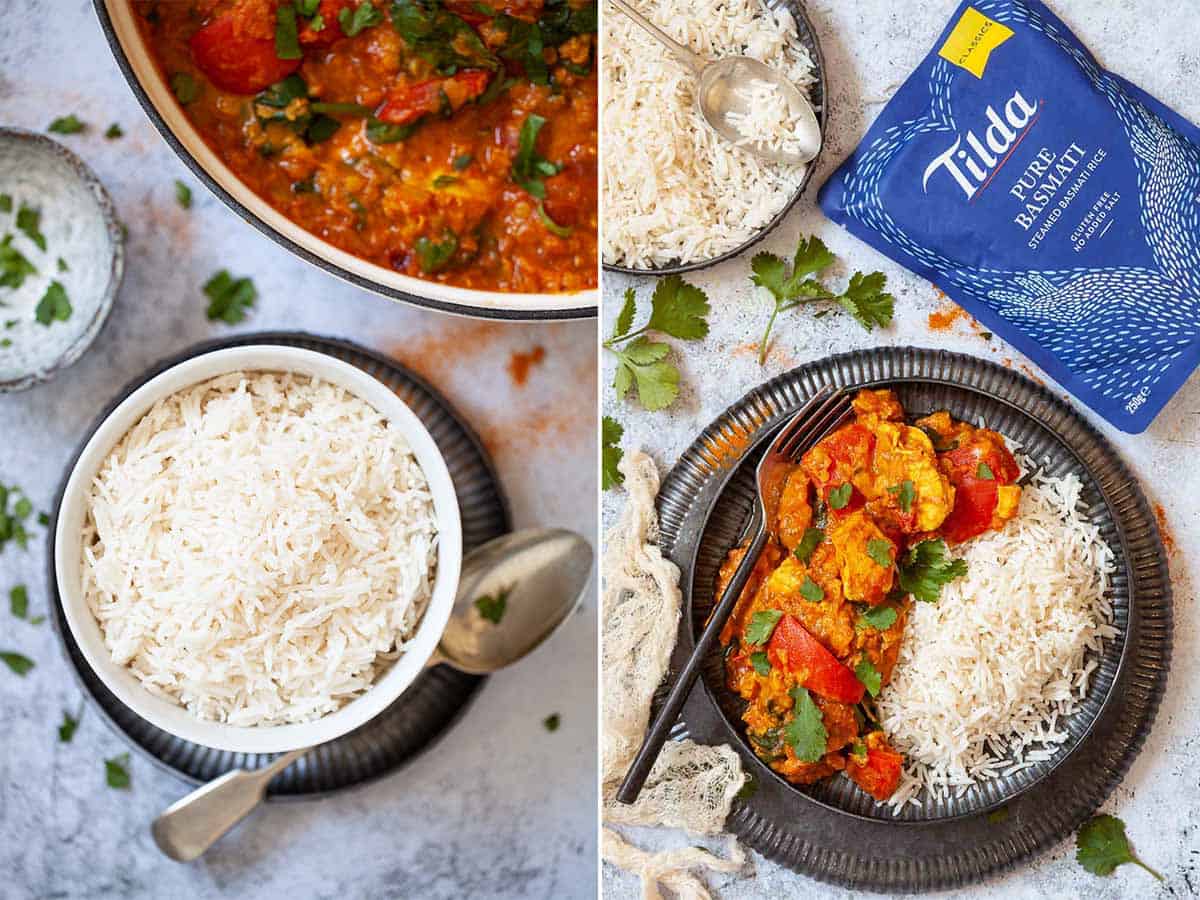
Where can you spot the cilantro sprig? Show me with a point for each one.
(678, 309)
(864, 297)
(927, 567)
(611, 432)
(1102, 846)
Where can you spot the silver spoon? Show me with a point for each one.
(718, 93)
(541, 572)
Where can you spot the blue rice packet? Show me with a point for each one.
(1056, 202)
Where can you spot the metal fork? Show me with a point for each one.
(820, 415)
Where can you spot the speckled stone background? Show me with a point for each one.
(502, 808)
(870, 48)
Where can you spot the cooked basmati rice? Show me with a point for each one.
(986, 675)
(768, 121)
(673, 189)
(258, 548)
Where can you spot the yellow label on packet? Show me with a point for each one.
(972, 41)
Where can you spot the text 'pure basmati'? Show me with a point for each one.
(258, 548)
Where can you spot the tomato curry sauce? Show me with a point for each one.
(451, 140)
(862, 528)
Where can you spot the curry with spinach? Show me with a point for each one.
(452, 140)
(861, 533)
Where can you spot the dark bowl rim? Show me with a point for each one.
(738, 739)
(800, 13)
(444, 306)
(116, 262)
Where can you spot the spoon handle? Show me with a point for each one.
(190, 826)
(682, 53)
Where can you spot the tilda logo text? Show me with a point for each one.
(973, 165)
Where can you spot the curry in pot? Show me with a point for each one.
(862, 530)
(452, 140)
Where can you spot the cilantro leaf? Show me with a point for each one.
(926, 567)
(812, 256)
(185, 88)
(881, 618)
(29, 223)
(905, 493)
(229, 297)
(678, 309)
(625, 316)
(116, 772)
(880, 551)
(811, 591)
(18, 601)
(183, 194)
(433, 256)
(67, 125)
(866, 672)
(611, 432)
(462, 161)
(493, 608)
(808, 543)
(54, 306)
(70, 723)
(551, 722)
(14, 267)
(984, 471)
(5, 203)
(363, 16)
(114, 131)
(18, 663)
(762, 625)
(805, 731)
(528, 168)
(760, 661)
(641, 361)
(840, 496)
(866, 300)
(1102, 846)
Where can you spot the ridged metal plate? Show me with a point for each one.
(833, 830)
(818, 95)
(430, 705)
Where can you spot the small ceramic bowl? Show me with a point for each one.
(176, 719)
(80, 227)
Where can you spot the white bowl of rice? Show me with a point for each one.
(258, 550)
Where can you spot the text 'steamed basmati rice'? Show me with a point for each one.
(986, 674)
(258, 548)
(768, 121)
(673, 189)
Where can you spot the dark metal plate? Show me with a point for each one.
(832, 830)
(818, 95)
(431, 704)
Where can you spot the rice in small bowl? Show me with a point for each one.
(258, 550)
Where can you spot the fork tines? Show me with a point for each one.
(811, 423)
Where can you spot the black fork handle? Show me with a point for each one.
(660, 729)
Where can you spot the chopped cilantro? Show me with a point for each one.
(840, 496)
(287, 34)
(528, 168)
(229, 297)
(805, 731)
(905, 493)
(116, 772)
(18, 663)
(54, 306)
(18, 601)
(493, 608)
(984, 471)
(760, 661)
(363, 16)
(67, 125)
(611, 432)
(308, 8)
(14, 267)
(70, 724)
(442, 181)
(811, 591)
(183, 194)
(864, 297)
(880, 551)
(1102, 846)
(926, 567)
(808, 543)
(880, 618)
(29, 223)
(383, 133)
(551, 722)
(185, 87)
(6, 203)
(866, 672)
(114, 131)
(62, 265)
(462, 161)
(433, 256)
(761, 625)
